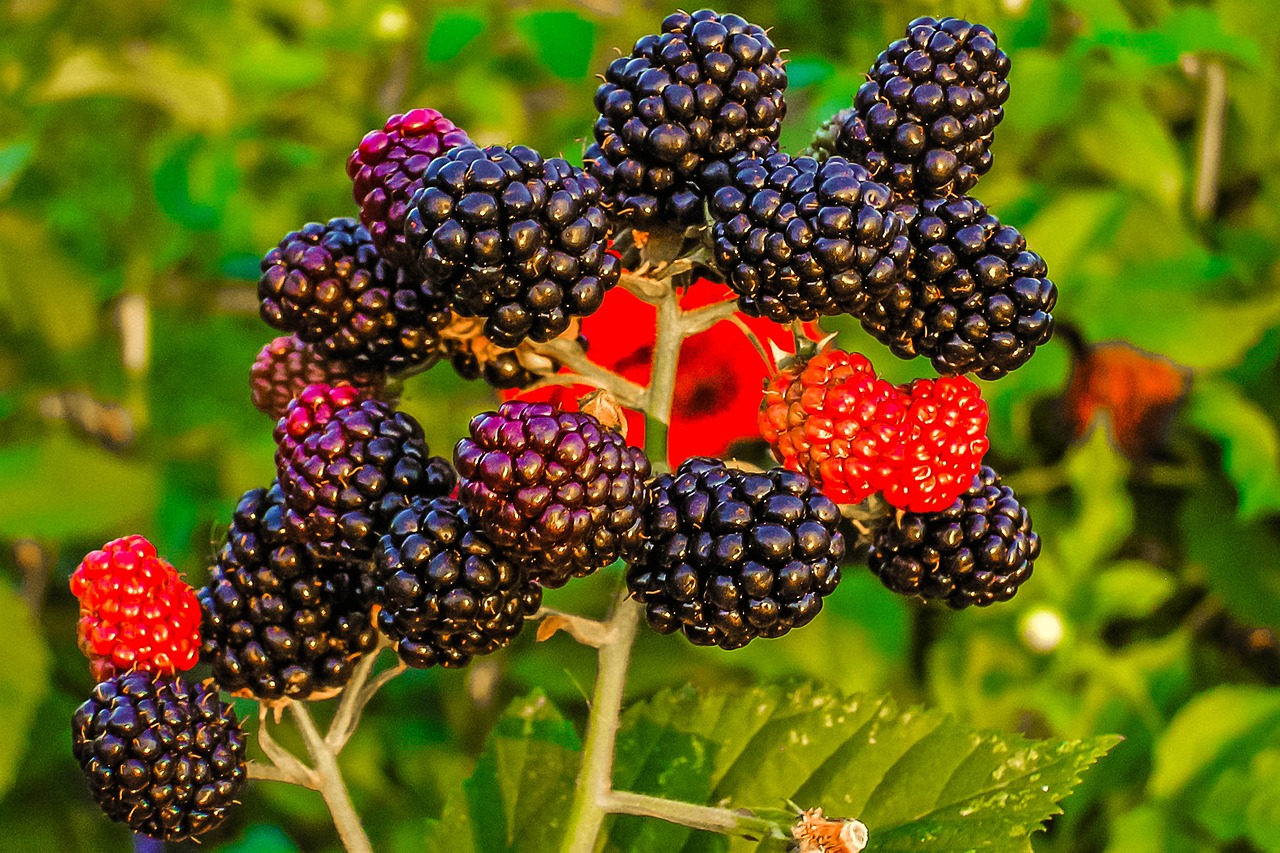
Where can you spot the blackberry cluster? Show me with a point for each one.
(975, 300)
(977, 551)
(674, 111)
(798, 239)
(733, 555)
(564, 490)
(474, 356)
(513, 238)
(164, 756)
(286, 366)
(328, 285)
(276, 623)
(346, 466)
(447, 593)
(386, 169)
(923, 121)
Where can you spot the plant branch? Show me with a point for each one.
(282, 759)
(1212, 129)
(268, 772)
(588, 632)
(707, 818)
(330, 783)
(572, 356)
(701, 319)
(356, 695)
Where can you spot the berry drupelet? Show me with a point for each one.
(346, 466)
(940, 444)
(285, 366)
(387, 168)
(975, 300)
(136, 611)
(161, 754)
(514, 238)
(276, 623)
(673, 112)
(977, 551)
(446, 592)
(798, 239)
(328, 285)
(732, 555)
(923, 121)
(565, 491)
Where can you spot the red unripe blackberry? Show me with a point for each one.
(161, 754)
(346, 466)
(835, 420)
(923, 121)
(556, 487)
(387, 168)
(978, 550)
(446, 592)
(328, 285)
(686, 100)
(513, 238)
(975, 300)
(277, 623)
(136, 611)
(941, 442)
(285, 366)
(798, 239)
(733, 555)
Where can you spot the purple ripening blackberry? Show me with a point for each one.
(558, 488)
(975, 299)
(446, 593)
(799, 239)
(327, 284)
(346, 466)
(277, 623)
(286, 365)
(731, 555)
(923, 121)
(164, 755)
(673, 112)
(976, 552)
(514, 238)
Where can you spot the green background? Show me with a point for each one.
(150, 152)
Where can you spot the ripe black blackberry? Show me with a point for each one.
(346, 466)
(276, 623)
(977, 551)
(974, 300)
(798, 239)
(686, 100)
(558, 488)
(447, 593)
(161, 754)
(328, 285)
(923, 121)
(733, 555)
(285, 366)
(513, 238)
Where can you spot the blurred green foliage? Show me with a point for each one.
(151, 151)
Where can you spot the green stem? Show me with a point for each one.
(662, 380)
(708, 818)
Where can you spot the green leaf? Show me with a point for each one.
(1250, 443)
(563, 41)
(918, 779)
(519, 794)
(14, 157)
(451, 33)
(1071, 228)
(1151, 163)
(24, 681)
(1219, 728)
(1130, 589)
(58, 487)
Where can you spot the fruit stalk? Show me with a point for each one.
(331, 787)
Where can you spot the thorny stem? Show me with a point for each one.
(707, 818)
(331, 786)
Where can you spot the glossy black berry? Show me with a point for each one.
(276, 622)
(514, 238)
(556, 488)
(161, 754)
(975, 299)
(923, 121)
(686, 100)
(447, 593)
(798, 239)
(976, 552)
(328, 285)
(733, 555)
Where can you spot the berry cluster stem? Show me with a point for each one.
(330, 783)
